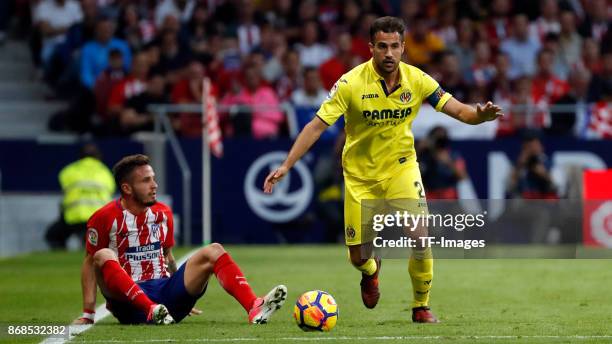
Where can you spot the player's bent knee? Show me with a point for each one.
(103, 255)
(216, 251)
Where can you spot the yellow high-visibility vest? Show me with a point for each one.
(87, 185)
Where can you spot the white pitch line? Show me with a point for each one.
(101, 313)
(310, 339)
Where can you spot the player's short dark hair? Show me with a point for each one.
(387, 25)
(123, 169)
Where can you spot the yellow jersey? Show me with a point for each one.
(378, 121)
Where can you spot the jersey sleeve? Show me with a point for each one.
(169, 227)
(96, 237)
(336, 103)
(433, 93)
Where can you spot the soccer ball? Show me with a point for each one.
(316, 311)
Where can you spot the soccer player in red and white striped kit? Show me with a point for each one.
(129, 255)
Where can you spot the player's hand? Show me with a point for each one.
(274, 177)
(195, 311)
(489, 111)
(82, 321)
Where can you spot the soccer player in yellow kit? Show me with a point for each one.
(379, 100)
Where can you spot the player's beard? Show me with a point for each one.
(147, 200)
(388, 65)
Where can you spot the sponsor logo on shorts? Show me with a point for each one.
(92, 236)
(350, 232)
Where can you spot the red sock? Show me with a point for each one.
(233, 281)
(119, 282)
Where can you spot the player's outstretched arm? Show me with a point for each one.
(472, 115)
(308, 136)
(89, 289)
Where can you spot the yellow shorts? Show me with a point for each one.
(396, 192)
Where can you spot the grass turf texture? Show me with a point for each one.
(476, 300)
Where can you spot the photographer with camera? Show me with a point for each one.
(531, 177)
(441, 167)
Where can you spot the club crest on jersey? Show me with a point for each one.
(92, 236)
(155, 230)
(350, 232)
(405, 97)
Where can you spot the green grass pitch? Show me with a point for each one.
(478, 301)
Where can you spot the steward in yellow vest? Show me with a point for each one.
(87, 185)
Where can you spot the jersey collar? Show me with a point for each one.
(383, 84)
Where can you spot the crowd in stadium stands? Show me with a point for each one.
(525, 55)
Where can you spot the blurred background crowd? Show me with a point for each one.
(96, 66)
(548, 62)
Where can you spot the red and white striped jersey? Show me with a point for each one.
(138, 240)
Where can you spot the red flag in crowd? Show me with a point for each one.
(211, 124)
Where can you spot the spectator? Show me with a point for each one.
(591, 56)
(264, 107)
(179, 9)
(421, 43)
(560, 67)
(249, 35)
(189, 91)
(132, 85)
(350, 15)
(501, 86)
(441, 167)
(62, 69)
(87, 184)
(570, 41)
(112, 76)
(548, 21)
(531, 178)
(521, 49)
(328, 13)
(463, 48)
(197, 33)
(597, 22)
(94, 55)
(409, 11)
(312, 94)
(173, 56)
(445, 28)
(292, 75)
(361, 37)
(340, 63)
(53, 18)
(135, 116)
(451, 75)
(498, 26)
(281, 15)
(273, 46)
(601, 80)
(135, 31)
(312, 53)
(565, 122)
(547, 87)
(482, 71)
(523, 111)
